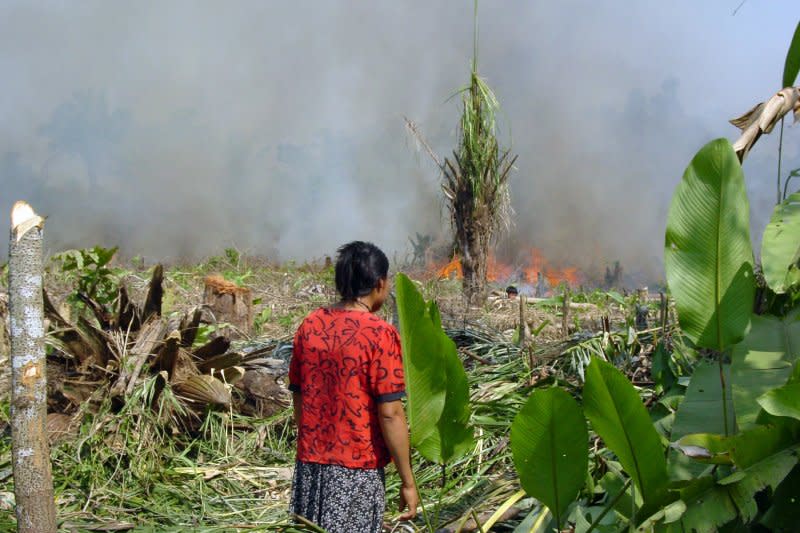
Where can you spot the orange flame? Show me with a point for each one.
(498, 271)
(453, 267)
(555, 276)
(495, 271)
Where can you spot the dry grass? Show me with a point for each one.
(137, 471)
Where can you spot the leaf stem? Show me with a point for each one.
(793, 174)
(610, 506)
(441, 494)
(724, 393)
(422, 503)
(477, 520)
(780, 152)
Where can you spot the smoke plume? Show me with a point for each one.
(176, 129)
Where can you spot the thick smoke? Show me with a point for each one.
(177, 129)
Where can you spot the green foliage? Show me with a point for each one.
(617, 414)
(712, 503)
(700, 409)
(90, 269)
(238, 278)
(792, 64)
(700, 412)
(233, 256)
(548, 440)
(783, 401)
(763, 456)
(761, 362)
(780, 246)
(438, 392)
(784, 515)
(479, 155)
(708, 256)
(661, 372)
(262, 318)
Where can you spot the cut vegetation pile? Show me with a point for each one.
(157, 423)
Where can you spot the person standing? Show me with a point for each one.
(347, 381)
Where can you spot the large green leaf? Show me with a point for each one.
(617, 414)
(763, 456)
(700, 412)
(711, 504)
(454, 436)
(783, 401)
(549, 444)
(792, 65)
(780, 247)
(425, 375)
(762, 362)
(708, 257)
(436, 384)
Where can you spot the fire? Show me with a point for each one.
(535, 265)
(453, 267)
(554, 276)
(495, 271)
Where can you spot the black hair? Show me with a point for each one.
(359, 267)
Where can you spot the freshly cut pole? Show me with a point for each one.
(33, 481)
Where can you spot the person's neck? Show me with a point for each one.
(356, 305)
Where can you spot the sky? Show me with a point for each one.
(177, 129)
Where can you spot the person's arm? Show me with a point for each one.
(395, 432)
(297, 408)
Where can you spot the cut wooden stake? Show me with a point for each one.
(33, 480)
(524, 330)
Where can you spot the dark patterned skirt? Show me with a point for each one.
(339, 499)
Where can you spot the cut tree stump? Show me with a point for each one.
(230, 304)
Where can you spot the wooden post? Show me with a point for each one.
(540, 288)
(33, 481)
(662, 319)
(642, 310)
(524, 330)
(565, 314)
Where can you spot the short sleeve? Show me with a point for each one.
(387, 381)
(294, 363)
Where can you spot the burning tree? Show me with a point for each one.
(475, 182)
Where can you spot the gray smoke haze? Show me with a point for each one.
(175, 129)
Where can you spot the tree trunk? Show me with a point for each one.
(33, 482)
(473, 244)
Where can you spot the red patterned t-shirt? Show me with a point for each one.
(344, 363)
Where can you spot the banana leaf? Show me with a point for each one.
(764, 456)
(700, 412)
(617, 414)
(780, 247)
(707, 255)
(549, 445)
(762, 362)
(436, 384)
(792, 64)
